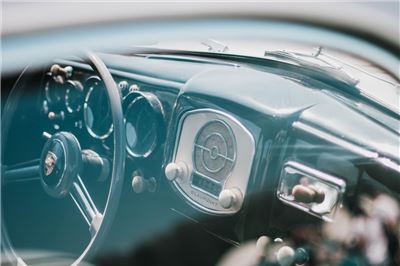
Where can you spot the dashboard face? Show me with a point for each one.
(240, 163)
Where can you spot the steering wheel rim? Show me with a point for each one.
(119, 155)
(118, 165)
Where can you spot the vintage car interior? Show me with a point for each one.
(193, 153)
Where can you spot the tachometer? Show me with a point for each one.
(143, 116)
(96, 109)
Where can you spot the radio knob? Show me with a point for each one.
(229, 198)
(176, 171)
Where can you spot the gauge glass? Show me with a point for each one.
(97, 110)
(141, 123)
(74, 97)
(54, 91)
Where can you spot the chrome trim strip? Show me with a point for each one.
(374, 156)
(316, 173)
(335, 140)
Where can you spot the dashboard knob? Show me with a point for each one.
(123, 87)
(229, 198)
(285, 256)
(140, 184)
(54, 116)
(66, 72)
(175, 171)
(262, 245)
(301, 256)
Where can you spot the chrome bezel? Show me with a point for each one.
(149, 151)
(76, 85)
(236, 181)
(48, 81)
(322, 177)
(85, 114)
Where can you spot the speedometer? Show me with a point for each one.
(143, 116)
(96, 109)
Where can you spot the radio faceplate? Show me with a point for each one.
(212, 161)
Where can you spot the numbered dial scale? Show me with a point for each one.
(212, 161)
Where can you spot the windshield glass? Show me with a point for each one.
(370, 79)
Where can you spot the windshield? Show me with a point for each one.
(371, 79)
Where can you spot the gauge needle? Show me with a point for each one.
(147, 135)
(209, 151)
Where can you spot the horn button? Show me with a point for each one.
(60, 163)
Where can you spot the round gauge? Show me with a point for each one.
(73, 96)
(96, 109)
(143, 116)
(54, 91)
(215, 150)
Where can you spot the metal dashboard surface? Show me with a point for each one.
(236, 151)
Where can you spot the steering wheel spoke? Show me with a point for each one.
(86, 206)
(21, 172)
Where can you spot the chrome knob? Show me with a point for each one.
(262, 246)
(229, 198)
(140, 184)
(176, 171)
(285, 256)
(123, 87)
(66, 72)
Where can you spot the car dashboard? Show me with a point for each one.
(242, 148)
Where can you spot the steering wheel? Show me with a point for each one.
(61, 163)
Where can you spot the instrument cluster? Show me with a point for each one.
(79, 100)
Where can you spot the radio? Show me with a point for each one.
(212, 161)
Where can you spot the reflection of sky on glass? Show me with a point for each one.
(139, 217)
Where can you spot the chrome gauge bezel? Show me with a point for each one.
(49, 85)
(128, 102)
(89, 91)
(73, 85)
